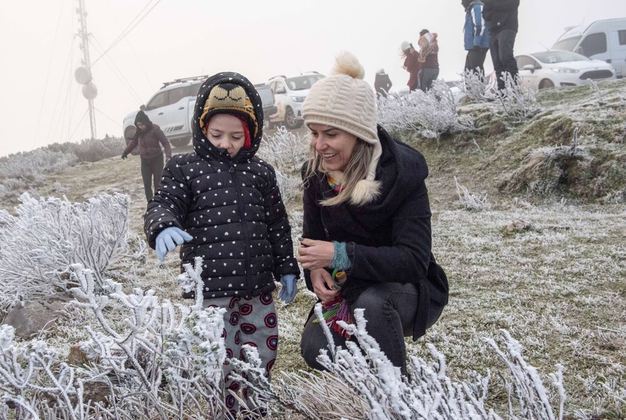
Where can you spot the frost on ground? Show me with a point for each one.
(545, 263)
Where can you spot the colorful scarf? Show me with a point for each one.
(337, 310)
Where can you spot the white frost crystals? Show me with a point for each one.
(48, 235)
(432, 113)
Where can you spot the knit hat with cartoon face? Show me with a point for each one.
(347, 102)
(230, 98)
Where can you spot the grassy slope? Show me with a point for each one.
(559, 287)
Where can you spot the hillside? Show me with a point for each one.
(544, 258)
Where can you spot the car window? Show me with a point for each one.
(192, 90)
(622, 37)
(593, 44)
(159, 100)
(302, 82)
(566, 44)
(280, 87)
(524, 60)
(267, 97)
(177, 94)
(553, 57)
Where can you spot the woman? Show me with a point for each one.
(366, 219)
(411, 64)
(150, 139)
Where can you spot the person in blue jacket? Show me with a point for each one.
(476, 36)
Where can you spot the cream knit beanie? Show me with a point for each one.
(345, 101)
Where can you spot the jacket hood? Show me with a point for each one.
(201, 144)
(401, 170)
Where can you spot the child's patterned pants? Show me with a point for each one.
(247, 321)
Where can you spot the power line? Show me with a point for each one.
(78, 124)
(130, 27)
(106, 116)
(118, 72)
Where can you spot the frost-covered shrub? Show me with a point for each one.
(516, 101)
(35, 163)
(474, 86)
(48, 235)
(469, 200)
(362, 383)
(284, 150)
(164, 362)
(431, 113)
(92, 150)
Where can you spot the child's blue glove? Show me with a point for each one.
(169, 239)
(289, 289)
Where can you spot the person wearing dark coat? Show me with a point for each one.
(222, 203)
(476, 37)
(366, 232)
(151, 142)
(382, 83)
(501, 19)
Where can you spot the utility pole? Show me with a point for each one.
(83, 73)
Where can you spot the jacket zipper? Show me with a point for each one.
(244, 226)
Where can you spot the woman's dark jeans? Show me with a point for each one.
(390, 310)
(151, 171)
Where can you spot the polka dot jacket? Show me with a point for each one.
(231, 206)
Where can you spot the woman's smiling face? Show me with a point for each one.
(334, 146)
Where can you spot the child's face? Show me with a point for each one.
(225, 131)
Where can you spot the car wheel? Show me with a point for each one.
(290, 119)
(180, 142)
(546, 84)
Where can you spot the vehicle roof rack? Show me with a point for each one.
(184, 79)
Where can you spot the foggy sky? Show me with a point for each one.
(41, 103)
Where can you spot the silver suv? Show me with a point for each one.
(171, 108)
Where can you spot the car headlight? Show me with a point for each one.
(565, 70)
(297, 98)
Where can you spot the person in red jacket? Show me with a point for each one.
(411, 64)
(151, 142)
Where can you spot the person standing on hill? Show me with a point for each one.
(382, 83)
(411, 64)
(502, 22)
(476, 37)
(150, 140)
(428, 58)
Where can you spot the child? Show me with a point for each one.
(222, 203)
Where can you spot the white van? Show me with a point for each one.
(601, 40)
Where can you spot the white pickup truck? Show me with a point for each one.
(172, 107)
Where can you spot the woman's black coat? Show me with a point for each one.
(388, 240)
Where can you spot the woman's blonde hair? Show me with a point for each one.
(355, 171)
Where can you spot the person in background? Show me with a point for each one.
(382, 83)
(411, 64)
(366, 223)
(428, 58)
(222, 203)
(501, 19)
(151, 142)
(476, 37)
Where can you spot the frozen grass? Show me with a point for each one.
(557, 284)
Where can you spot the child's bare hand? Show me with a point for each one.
(314, 254)
(322, 283)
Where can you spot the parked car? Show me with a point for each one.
(561, 68)
(171, 108)
(267, 99)
(601, 40)
(290, 93)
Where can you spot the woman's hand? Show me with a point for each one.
(314, 254)
(323, 283)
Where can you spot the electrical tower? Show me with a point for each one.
(83, 73)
